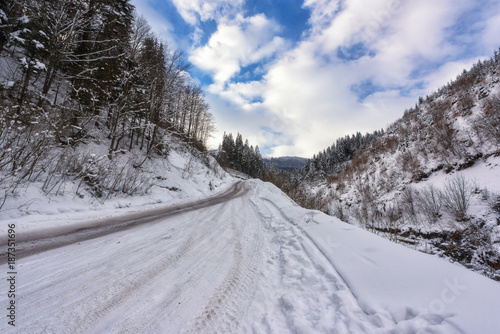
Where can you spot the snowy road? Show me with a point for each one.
(155, 273)
(245, 261)
(33, 242)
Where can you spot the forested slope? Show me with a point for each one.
(89, 95)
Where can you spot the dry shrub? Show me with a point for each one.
(391, 144)
(393, 221)
(408, 162)
(464, 82)
(412, 114)
(408, 203)
(310, 201)
(340, 213)
(359, 163)
(438, 108)
(489, 123)
(333, 178)
(456, 196)
(465, 103)
(430, 203)
(445, 137)
(377, 146)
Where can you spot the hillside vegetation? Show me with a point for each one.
(416, 182)
(89, 97)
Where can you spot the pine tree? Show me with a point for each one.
(238, 147)
(6, 24)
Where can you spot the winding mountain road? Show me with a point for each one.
(235, 262)
(42, 240)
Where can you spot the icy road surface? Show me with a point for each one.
(246, 261)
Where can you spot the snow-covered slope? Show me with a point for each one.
(184, 173)
(432, 180)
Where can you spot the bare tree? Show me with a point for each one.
(456, 196)
(430, 203)
(408, 204)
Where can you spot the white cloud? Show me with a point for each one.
(306, 97)
(244, 94)
(322, 12)
(358, 21)
(491, 36)
(447, 73)
(236, 43)
(193, 11)
(317, 103)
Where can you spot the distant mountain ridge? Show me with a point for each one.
(286, 163)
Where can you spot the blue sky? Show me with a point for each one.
(294, 75)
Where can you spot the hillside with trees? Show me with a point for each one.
(90, 74)
(337, 156)
(417, 182)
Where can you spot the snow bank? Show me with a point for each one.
(415, 291)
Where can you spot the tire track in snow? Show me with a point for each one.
(138, 320)
(58, 277)
(225, 308)
(43, 240)
(133, 285)
(104, 299)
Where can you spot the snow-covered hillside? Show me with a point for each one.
(94, 108)
(245, 260)
(184, 173)
(432, 180)
(421, 293)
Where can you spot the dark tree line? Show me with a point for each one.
(235, 154)
(91, 68)
(334, 158)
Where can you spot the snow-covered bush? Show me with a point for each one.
(393, 220)
(190, 168)
(340, 213)
(473, 246)
(23, 152)
(125, 179)
(95, 174)
(361, 215)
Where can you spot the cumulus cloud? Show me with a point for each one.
(193, 11)
(357, 68)
(237, 43)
